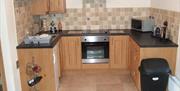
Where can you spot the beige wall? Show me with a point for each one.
(173, 5)
(74, 4)
(128, 3)
(112, 3)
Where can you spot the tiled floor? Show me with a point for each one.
(97, 80)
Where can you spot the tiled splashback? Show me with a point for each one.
(25, 23)
(95, 15)
(173, 19)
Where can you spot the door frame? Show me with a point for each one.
(8, 44)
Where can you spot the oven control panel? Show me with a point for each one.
(94, 39)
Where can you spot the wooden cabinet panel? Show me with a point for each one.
(57, 70)
(42, 7)
(169, 53)
(48, 60)
(71, 52)
(61, 56)
(119, 52)
(57, 6)
(39, 7)
(134, 60)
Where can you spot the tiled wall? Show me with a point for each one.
(25, 23)
(95, 15)
(173, 19)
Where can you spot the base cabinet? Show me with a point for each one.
(119, 52)
(134, 60)
(48, 60)
(136, 54)
(71, 52)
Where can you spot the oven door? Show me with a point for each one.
(95, 52)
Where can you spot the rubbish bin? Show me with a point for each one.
(154, 73)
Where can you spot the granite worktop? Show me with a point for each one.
(142, 39)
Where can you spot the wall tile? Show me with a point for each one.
(25, 22)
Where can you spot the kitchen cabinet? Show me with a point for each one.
(119, 52)
(42, 7)
(39, 7)
(57, 6)
(134, 61)
(71, 52)
(47, 59)
(137, 53)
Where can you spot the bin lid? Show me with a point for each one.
(154, 66)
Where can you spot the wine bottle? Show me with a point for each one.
(34, 81)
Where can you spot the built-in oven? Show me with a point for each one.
(95, 49)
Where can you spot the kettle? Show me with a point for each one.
(157, 31)
(160, 31)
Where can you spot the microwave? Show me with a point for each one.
(143, 25)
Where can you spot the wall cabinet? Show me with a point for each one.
(48, 60)
(39, 7)
(119, 52)
(71, 52)
(42, 7)
(57, 6)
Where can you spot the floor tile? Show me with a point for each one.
(97, 80)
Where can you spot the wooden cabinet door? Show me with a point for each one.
(119, 52)
(71, 52)
(42, 57)
(57, 70)
(134, 59)
(39, 7)
(57, 6)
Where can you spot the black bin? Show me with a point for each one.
(154, 73)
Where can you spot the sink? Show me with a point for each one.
(40, 39)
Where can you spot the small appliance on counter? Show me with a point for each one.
(143, 24)
(161, 31)
(157, 31)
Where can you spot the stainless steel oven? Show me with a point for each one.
(95, 49)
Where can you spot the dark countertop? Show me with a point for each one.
(146, 40)
(142, 39)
